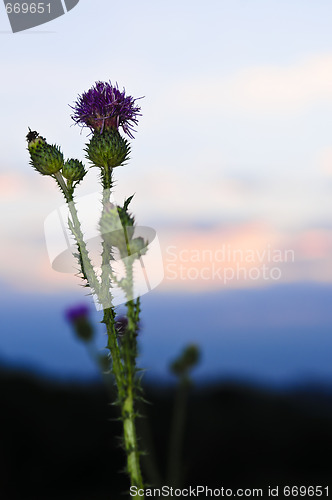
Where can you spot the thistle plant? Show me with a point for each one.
(106, 112)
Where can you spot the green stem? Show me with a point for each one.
(124, 373)
(130, 439)
(106, 298)
(126, 400)
(60, 180)
(106, 270)
(75, 227)
(149, 459)
(113, 346)
(129, 344)
(177, 431)
(86, 266)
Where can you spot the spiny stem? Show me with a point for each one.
(106, 299)
(60, 180)
(106, 269)
(130, 439)
(149, 461)
(124, 373)
(87, 268)
(113, 347)
(133, 459)
(75, 226)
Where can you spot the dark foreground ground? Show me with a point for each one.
(60, 442)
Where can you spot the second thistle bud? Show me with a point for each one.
(73, 170)
(187, 360)
(108, 149)
(45, 158)
(79, 318)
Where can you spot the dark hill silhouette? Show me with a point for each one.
(60, 441)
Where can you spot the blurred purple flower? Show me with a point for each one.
(105, 106)
(76, 312)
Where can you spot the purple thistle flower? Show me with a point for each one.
(78, 312)
(105, 106)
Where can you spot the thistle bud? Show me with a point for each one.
(73, 170)
(78, 316)
(108, 149)
(138, 246)
(45, 158)
(188, 359)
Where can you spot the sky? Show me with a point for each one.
(231, 163)
(235, 128)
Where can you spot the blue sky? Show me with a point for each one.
(275, 337)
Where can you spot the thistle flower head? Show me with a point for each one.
(104, 106)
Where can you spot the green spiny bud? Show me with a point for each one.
(191, 355)
(138, 246)
(108, 149)
(188, 359)
(45, 158)
(73, 170)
